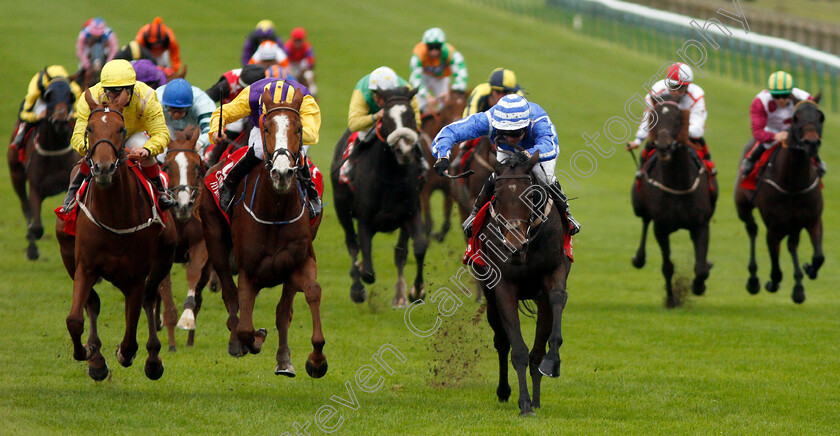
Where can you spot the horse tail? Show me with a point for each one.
(526, 307)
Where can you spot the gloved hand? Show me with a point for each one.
(442, 165)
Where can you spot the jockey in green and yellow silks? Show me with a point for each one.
(435, 68)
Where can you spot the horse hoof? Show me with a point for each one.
(753, 286)
(235, 349)
(35, 233)
(32, 252)
(771, 287)
(358, 294)
(316, 371)
(698, 287)
(214, 287)
(173, 348)
(187, 320)
(798, 295)
(368, 277)
(550, 368)
(288, 371)
(810, 271)
(526, 413)
(159, 322)
(414, 295)
(638, 261)
(154, 370)
(399, 303)
(503, 392)
(125, 362)
(98, 374)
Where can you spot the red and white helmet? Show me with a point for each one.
(679, 74)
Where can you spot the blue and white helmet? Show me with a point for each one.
(178, 93)
(512, 112)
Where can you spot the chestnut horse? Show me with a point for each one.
(677, 193)
(271, 238)
(452, 109)
(185, 169)
(789, 197)
(523, 241)
(49, 160)
(120, 237)
(386, 179)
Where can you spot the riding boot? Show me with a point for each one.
(311, 191)
(75, 184)
(647, 150)
(237, 173)
(165, 199)
(21, 133)
(483, 197)
(559, 197)
(751, 158)
(820, 165)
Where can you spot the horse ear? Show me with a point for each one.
(412, 93)
(297, 99)
(194, 134)
(89, 99)
(533, 159)
(682, 135)
(267, 99)
(497, 167)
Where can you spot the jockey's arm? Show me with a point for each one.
(174, 52)
(112, 46)
(697, 119)
(758, 121)
(203, 108)
(643, 132)
(32, 96)
(359, 116)
(155, 125)
(415, 80)
(471, 127)
(459, 73)
(82, 114)
(545, 138)
(81, 50)
(310, 118)
(234, 111)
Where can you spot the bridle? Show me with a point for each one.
(534, 221)
(193, 190)
(295, 158)
(118, 151)
(675, 142)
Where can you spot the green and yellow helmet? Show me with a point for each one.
(780, 83)
(118, 72)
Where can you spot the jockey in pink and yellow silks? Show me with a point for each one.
(249, 104)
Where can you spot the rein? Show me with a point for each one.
(665, 188)
(120, 153)
(155, 218)
(510, 224)
(274, 223)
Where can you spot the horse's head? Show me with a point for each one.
(185, 168)
(668, 129)
(806, 127)
(398, 126)
(282, 134)
(513, 204)
(59, 99)
(105, 137)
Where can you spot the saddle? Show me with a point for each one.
(699, 155)
(69, 216)
(751, 181)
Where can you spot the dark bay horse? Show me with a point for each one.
(49, 158)
(120, 237)
(675, 194)
(186, 169)
(271, 238)
(523, 240)
(386, 180)
(789, 197)
(452, 108)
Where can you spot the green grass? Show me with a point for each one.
(726, 363)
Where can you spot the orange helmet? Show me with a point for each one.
(156, 33)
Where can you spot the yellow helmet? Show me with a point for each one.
(780, 83)
(265, 25)
(118, 72)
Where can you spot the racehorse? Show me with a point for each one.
(675, 194)
(452, 107)
(185, 169)
(271, 239)
(385, 195)
(120, 237)
(789, 198)
(525, 242)
(49, 158)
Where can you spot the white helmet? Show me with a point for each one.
(383, 79)
(512, 112)
(434, 35)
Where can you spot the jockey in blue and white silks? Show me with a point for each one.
(513, 120)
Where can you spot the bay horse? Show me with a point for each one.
(121, 238)
(185, 168)
(385, 195)
(271, 239)
(677, 193)
(524, 240)
(452, 108)
(49, 158)
(789, 197)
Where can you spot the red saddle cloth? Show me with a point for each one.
(343, 177)
(701, 153)
(748, 182)
(214, 179)
(69, 217)
(473, 254)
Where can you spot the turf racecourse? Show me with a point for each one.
(727, 363)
